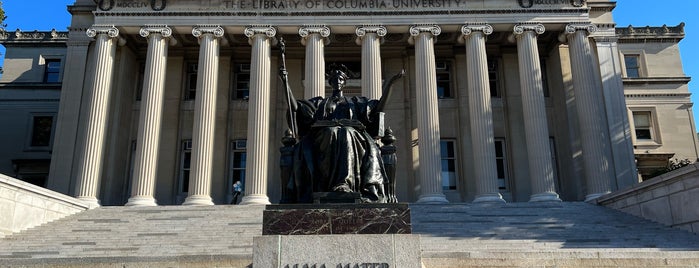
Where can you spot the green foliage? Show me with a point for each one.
(672, 165)
(2, 17)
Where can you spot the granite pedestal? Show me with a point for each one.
(316, 219)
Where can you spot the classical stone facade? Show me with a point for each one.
(503, 101)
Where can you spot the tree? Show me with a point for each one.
(2, 17)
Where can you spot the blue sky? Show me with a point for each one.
(45, 15)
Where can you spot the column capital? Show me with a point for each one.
(306, 30)
(163, 30)
(268, 30)
(361, 31)
(538, 28)
(202, 29)
(573, 27)
(586, 28)
(416, 30)
(521, 28)
(468, 29)
(96, 29)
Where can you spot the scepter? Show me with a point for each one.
(290, 100)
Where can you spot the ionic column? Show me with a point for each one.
(314, 37)
(147, 144)
(204, 115)
(534, 108)
(591, 113)
(481, 113)
(618, 123)
(90, 167)
(260, 37)
(423, 37)
(370, 38)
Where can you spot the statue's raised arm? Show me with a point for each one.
(386, 91)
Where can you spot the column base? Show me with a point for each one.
(142, 201)
(433, 199)
(198, 200)
(489, 198)
(545, 197)
(91, 202)
(590, 198)
(255, 200)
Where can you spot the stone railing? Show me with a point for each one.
(671, 199)
(23, 205)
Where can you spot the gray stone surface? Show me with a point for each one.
(23, 205)
(451, 235)
(670, 199)
(337, 250)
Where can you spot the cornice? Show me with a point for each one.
(632, 34)
(35, 36)
(655, 95)
(30, 86)
(657, 80)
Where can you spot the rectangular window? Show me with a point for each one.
(190, 87)
(494, 77)
(185, 165)
(633, 68)
(448, 152)
(444, 80)
(238, 162)
(42, 130)
(501, 162)
(643, 126)
(242, 81)
(52, 70)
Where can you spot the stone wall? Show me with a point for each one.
(671, 199)
(23, 205)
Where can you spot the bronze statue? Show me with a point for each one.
(336, 149)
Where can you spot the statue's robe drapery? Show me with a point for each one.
(335, 152)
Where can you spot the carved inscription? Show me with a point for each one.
(285, 5)
(531, 3)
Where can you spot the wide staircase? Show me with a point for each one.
(452, 235)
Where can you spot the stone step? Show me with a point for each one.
(452, 235)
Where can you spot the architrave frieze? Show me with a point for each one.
(289, 5)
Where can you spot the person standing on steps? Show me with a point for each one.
(237, 189)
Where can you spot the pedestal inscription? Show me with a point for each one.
(331, 251)
(307, 219)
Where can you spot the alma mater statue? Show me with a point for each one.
(336, 150)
